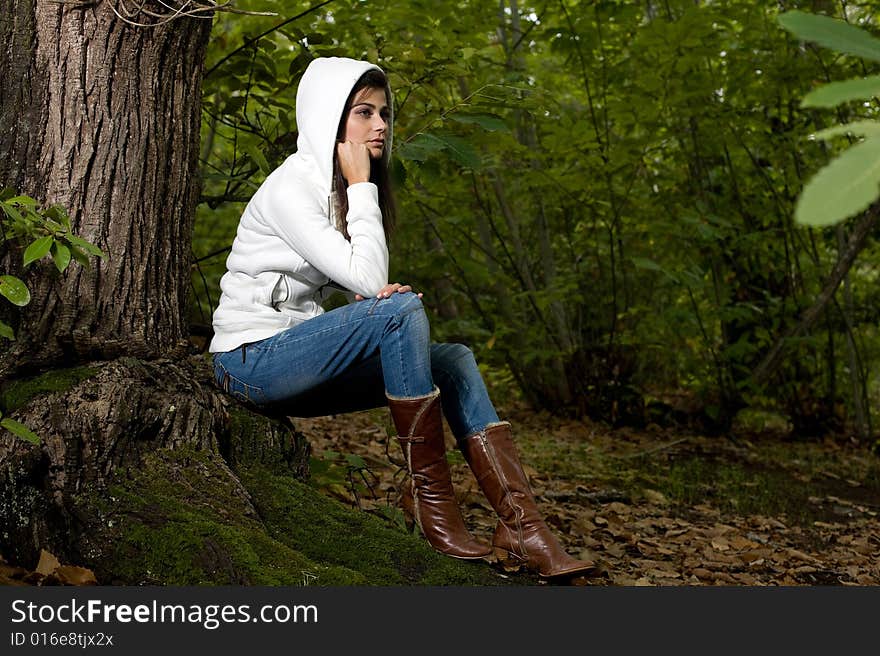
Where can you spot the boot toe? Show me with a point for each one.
(569, 570)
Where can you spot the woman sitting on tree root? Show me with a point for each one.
(319, 224)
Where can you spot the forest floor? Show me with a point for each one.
(653, 507)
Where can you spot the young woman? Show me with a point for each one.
(319, 224)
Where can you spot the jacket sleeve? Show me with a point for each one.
(361, 265)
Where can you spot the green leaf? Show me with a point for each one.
(6, 331)
(20, 430)
(82, 244)
(14, 290)
(645, 263)
(61, 256)
(831, 33)
(25, 201)
(858, 128)
(835, 93)
(419, 148)
(355, 461)
(58, 213)
(651, 265)
(38, 249)
(846, 186)
(81, 258)
(488, 122)
(11, 212)
(460, 150)
(259, 159)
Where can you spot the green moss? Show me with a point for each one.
(328, 532)
(15, 394)
(181, 519)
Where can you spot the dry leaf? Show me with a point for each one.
(800, 555)
(656, 498)
(738, 542)
(720, 544)
(72, 575)
(48, 563)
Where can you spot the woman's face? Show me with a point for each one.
(368, 120)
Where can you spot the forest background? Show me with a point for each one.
(596, 197)
(599, 199)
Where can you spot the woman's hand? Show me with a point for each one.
(388, 290)
(354, 161)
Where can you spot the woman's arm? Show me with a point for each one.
(302, 223)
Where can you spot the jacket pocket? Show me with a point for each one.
(280, 292)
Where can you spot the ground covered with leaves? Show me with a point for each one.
(657, 506)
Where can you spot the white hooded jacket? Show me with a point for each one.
(287, 250)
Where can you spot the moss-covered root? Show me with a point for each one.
(184, 519)
(332, 534)
(14, 394)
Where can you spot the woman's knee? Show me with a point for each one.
(402, 305)
(454, 360)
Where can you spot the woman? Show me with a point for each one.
(318, 224)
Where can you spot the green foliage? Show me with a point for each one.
(19, 429)
(831, 33)
(591, 195)
(843, 188)
(45, 231)
(851, 182)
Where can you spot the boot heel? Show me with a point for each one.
(509, 562)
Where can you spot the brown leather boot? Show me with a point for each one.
(419, 423)
(521, 537)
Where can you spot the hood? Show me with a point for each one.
(320, 99)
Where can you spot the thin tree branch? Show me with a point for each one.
(856, 243)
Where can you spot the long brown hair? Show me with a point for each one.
(379, 175)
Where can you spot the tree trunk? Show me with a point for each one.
(102, 118)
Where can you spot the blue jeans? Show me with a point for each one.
(349, 358)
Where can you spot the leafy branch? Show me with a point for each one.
(46, 232)
(850, 183)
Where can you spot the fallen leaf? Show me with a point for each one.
(655, 497)
(48, 563)
(800, 555)
(738, 542)
(720, 544)
(72, 575)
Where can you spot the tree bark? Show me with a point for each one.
(103, 118)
